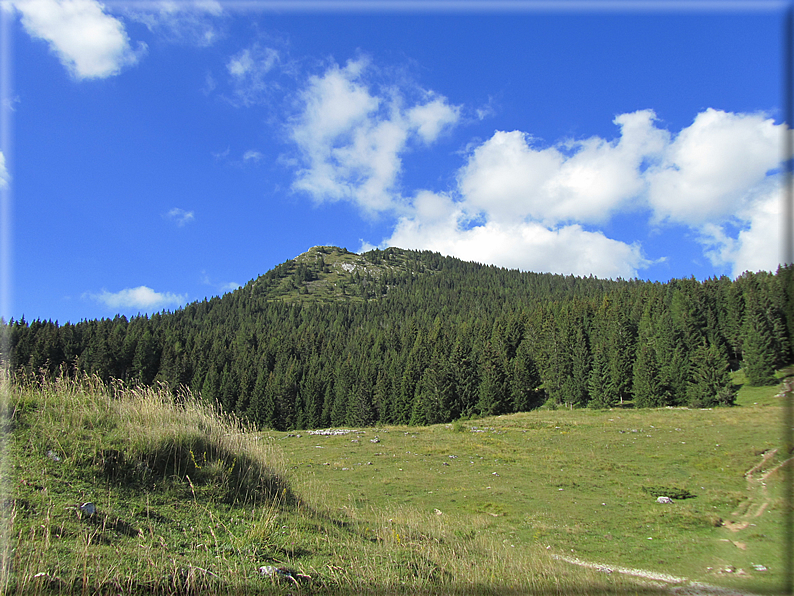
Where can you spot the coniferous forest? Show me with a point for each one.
(332, 338)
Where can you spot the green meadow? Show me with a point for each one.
(192, 501)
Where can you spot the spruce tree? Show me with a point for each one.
(710, 383)
(648, 389)
(597, 383)
(758, 350)
(493, 388)
(525, 381)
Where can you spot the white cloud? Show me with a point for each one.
(758, 246)
(188, 21)
(582, 181)
(431, 118)
(88, 42)
(252, 155)
(249, 71)
(520, 205)
(442, 225)
(222, 287)
(230, 286)
(708, 172)
(221, 154)
(351, 139)
(141, 297)
(4, 177)
(180, 216)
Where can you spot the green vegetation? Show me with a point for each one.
(404, 337)
(191, 501)
(502, 419)
(583, 483)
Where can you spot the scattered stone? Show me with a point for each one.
(494, 474)
(87, 509)
(53, 456)
(665, 500)
(54, 582)
(443, 463)
(375, 440)
(331, 432)
(759, 567)
(282, 573)
(437, 511)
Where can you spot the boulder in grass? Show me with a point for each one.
(664, 500)
(87, 509)
(283, 573)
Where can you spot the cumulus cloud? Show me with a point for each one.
(518, 204)
(180, 216)
(443, 225)
(583, 181)
(758, 245)
(351, 138)
(89, 43)
(141, 297)
(708, 171)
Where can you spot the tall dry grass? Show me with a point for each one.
(143, 435)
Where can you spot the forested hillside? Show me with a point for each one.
(397, 336)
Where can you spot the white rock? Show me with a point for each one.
(665, 500)
(88, 508)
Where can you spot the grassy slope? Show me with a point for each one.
(335, 284)
(192, 502)
(576, 483)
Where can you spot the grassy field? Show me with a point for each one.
(579, 483)
(189, 501)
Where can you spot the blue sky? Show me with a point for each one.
(163, 152)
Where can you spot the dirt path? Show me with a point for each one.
(680, 586)
(752, 508)
(758, 500)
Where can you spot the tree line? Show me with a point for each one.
(431, 339)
